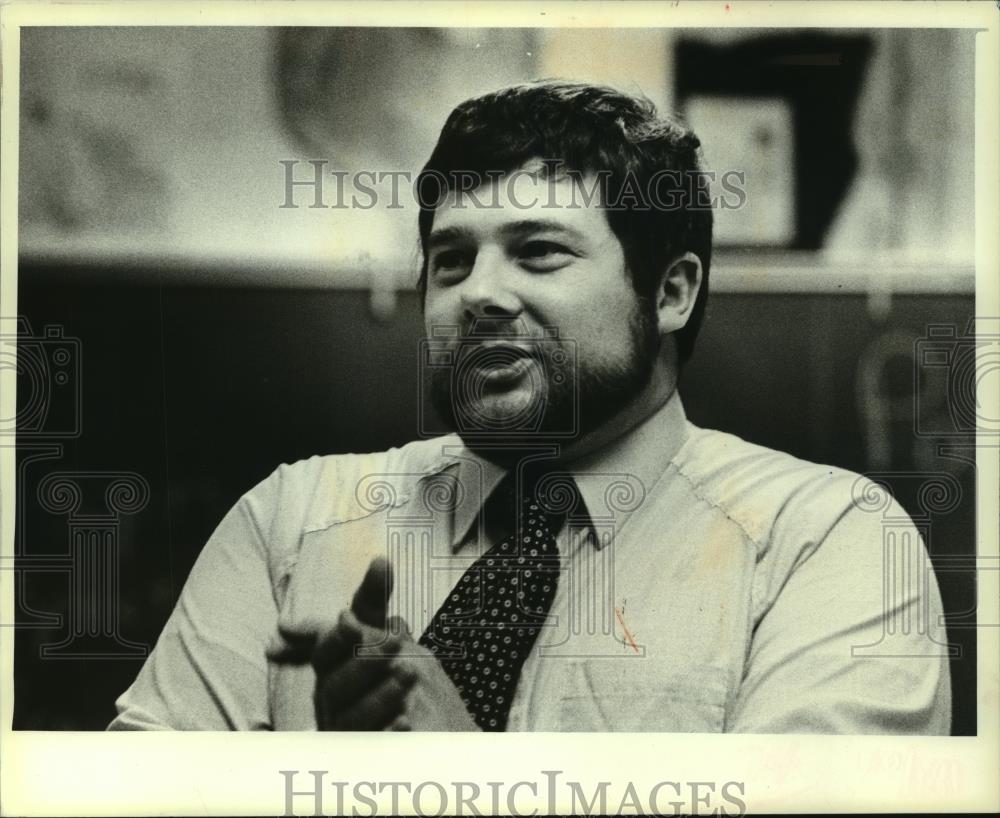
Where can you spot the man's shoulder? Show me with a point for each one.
(756, 486)
(324, 490)
(412, 458)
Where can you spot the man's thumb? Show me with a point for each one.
(372, 597)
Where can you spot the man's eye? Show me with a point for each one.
(449, 261)
(545, 254)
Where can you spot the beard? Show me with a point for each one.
(565, 397)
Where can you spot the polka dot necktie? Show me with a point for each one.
(488, 625)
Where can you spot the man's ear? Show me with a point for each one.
(678, 290)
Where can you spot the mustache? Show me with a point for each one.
(499, 330)
(496, 328)
(490, 336)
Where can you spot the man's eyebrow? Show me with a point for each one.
(520, 228)
(446, 235)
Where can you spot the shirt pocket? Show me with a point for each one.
(637, 696)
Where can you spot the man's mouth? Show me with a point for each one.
(498, 363)
(506, 374)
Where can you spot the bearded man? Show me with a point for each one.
(574, 554)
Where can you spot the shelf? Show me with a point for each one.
(732, 271)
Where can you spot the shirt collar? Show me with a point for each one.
(613, 481)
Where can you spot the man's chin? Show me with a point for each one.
(499, 419)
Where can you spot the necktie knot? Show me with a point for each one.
(541, 493)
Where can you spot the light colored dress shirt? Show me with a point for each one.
(713, 586)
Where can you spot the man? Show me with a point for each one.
(576, 555)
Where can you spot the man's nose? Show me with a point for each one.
(487, 291)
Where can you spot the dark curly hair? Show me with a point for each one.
(588, 129)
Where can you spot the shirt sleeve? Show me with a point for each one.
(851, 638)
(208, 670)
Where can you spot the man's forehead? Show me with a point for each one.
(550, 197)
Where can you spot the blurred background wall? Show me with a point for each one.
(182, 333)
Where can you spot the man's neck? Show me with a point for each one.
(660, 389)
(657, 393)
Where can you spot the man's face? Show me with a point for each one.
(525, 257)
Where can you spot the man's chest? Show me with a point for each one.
(649, 632)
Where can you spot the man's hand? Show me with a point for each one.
(370, 674)
(432, 702)
(359, 683)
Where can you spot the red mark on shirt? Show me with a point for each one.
(628, 634)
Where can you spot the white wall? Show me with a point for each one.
(166, 144)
